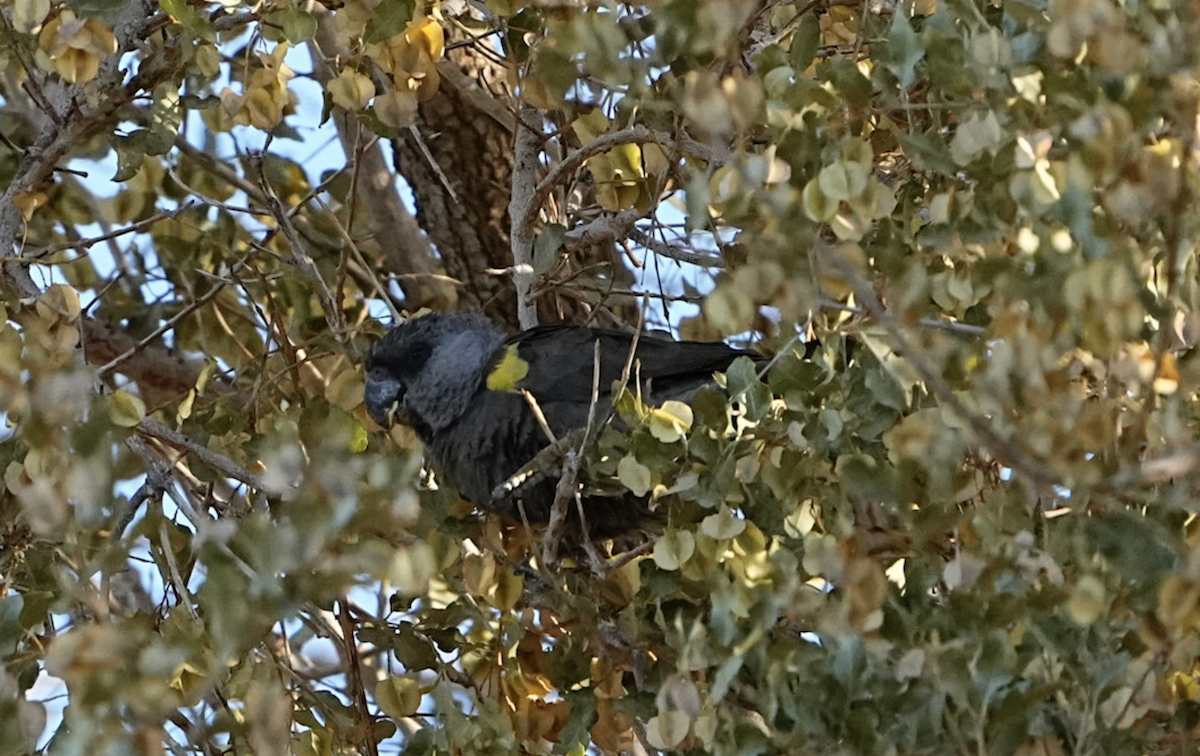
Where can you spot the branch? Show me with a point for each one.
(522, 210)
(945, 325)
(154, 429)
(71, 118)
(363, 723)
(673, 252)
(479, 97)
(606, 228)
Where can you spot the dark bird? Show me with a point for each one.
(457, 381)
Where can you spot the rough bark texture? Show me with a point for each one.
(474, 153)
(469, 130)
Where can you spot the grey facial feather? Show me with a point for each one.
(462, 347)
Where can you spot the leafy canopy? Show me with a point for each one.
(958, 514)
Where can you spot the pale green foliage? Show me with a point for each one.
(903, 539)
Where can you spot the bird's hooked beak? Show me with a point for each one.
(384, 396)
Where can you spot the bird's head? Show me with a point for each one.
(424, 371)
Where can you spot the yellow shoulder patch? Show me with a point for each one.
(509, 371)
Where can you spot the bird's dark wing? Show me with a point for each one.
(560, 361)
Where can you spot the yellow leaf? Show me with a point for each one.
(411, 569)
(260, 110)
(208, 60)
(126, 409)
(345, 389)
(59, 301)
(427, 84)
(77, 66)
(671, 421)
(351, 90)
(1087, 601)
(729, 310)
(29, 202)
(589, 127)
(95, 38)
(28, 15)
(427, 34)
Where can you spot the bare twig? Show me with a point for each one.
(945, 325)
(564, 493)
(164, 541)
(606, 228)
(637, 335)
(538, 415)
(368, 271)
(71, 115)
(627, 557)
(134, 228)
(479, 97)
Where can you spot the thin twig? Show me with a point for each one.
(437, 169)
(627, 557)
(945, 325)
(563, 169)
(204, 299)
(538, 415)
(637, 335)
(300, 254)
(362, 714)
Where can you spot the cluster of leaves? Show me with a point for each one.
(955, 514)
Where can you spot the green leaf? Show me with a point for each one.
(634, 475)
(125, 409)
(668, 729)
(746, 387)
(129, 160)
(805, 42)
(673, 549)
(723, 524)
(671, 421)
(546, 247)
(289, 24)
(11, 630)
(576, 733)
(904, 48)
(107, 11)
(388, 19)
(850, 662)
